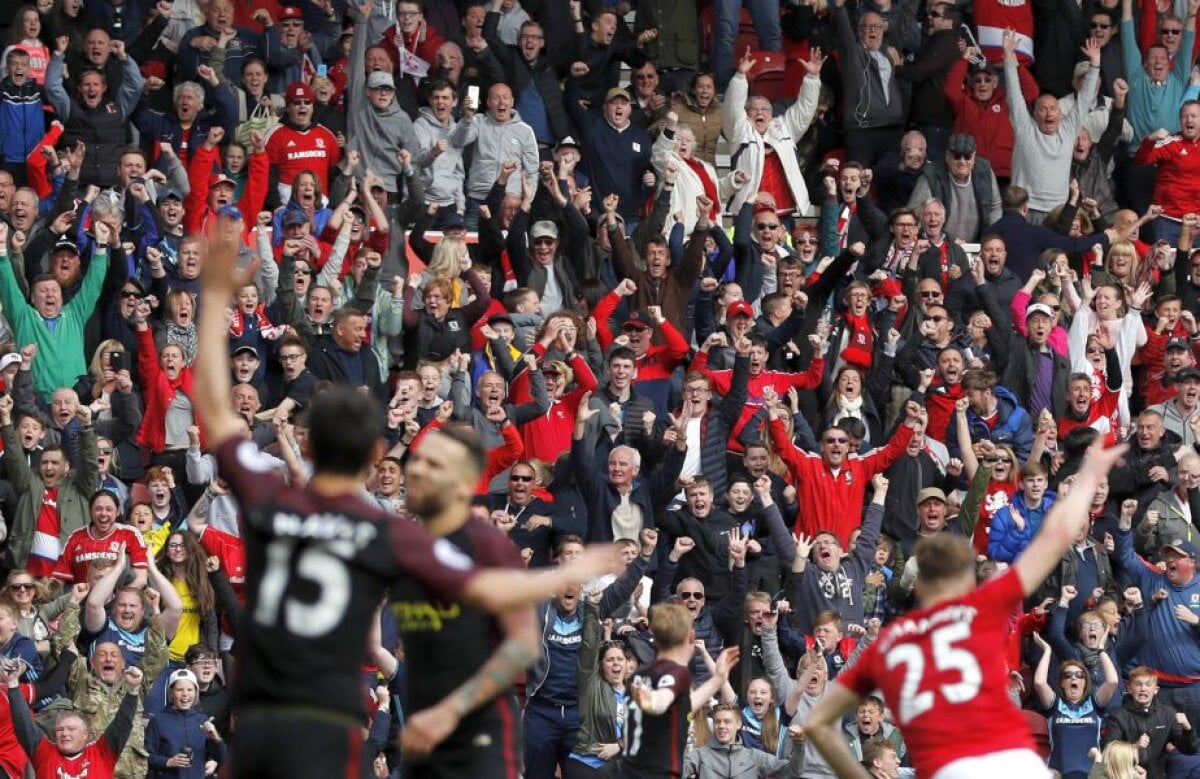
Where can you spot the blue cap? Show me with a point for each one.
(451, 220)
(233, 212)
(1179, 546)
(293, 217)
(170, 194)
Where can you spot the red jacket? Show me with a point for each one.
(549, 435)
(830, 501)
(157, 392)
(988, 122)
(196, 213)
(499, 458)
(1177, 185)
(659, 362)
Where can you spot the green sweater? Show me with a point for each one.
(60, 359)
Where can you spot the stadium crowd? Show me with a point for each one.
(763, 292)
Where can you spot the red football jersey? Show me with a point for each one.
(229, 549)
(82, 547)
(292, 151)
(943, 674)
(96, 761)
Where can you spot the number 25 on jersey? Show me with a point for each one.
(915, 700)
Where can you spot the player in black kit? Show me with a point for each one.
(318, 561)
(661, 699)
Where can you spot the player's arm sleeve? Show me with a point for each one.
(437, 564)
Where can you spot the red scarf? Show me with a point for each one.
(861, 342)
(237, 325)
(710, 187)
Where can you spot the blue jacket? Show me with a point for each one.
(589, 463)
(1174, 649)
(170, 731)
(1014, 427)
(1006, 541)
(22, 119)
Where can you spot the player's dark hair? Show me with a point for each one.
(338, 447)
(470, 440)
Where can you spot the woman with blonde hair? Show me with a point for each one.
(449, 262)
(36, 607)
(1118, 761)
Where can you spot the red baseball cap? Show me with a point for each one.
(290, 12)
(298, 90)
(217, 179)
(739, 308)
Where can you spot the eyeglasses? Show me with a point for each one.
(204, 662)
(22, 586)
(870, 27)
(1005, 460)
(175, 546)
(1100, 26)
(301, 102)
(937, 319)
(1073, 675)
(807, 240)
(767, 225)
(290, 357)
(691, 595)
(129, 294)
(533, 37)
(905, 224)
(958, 155)
(520, 478)
(836, 440)
(931, 293)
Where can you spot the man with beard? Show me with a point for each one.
(91, 116)
(297, 144)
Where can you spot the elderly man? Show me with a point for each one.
(966, 186)
(92, 115)
(189, 125)
(763, 146)
(1044, 144)
(896, 176)
(218, 43)
(871, 71)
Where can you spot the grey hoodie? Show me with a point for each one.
(717, 761)
(375, 134)
(443, 175)
(495, 142)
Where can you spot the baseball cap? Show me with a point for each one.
(182, 675)
(1039, 308)
(1187, 373)
(380, 78)
(1178, 343)
(219, 179)
(1181, 547)
(739, 308)
(568, 141)
(170, 194)
(451, 220)
(245, 350)
(500, 317)
(233, 212)
(544, 229)
(12, 358)
(638, 320)
(290, 12)
(961, 143)
(298, 90)
(293, 217)
(616, 92)
(65, 244)
(930, 493)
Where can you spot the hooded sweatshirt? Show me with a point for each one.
(496, 142)
(444, 174)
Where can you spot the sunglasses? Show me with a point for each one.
(836, 441)
(1171, 31)
(1073, 675)
(958, 155)
(767, 225)
(22, 586)
(691, 595)
(129, 294)
(936, 15)
(543, 241)
(937, 319)
(806, 241)
(931, 293)
(301, 102)
(515, 477)
(1100, 26)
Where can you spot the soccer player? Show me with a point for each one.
(938, 666)
(319, 559)
(661, 699)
